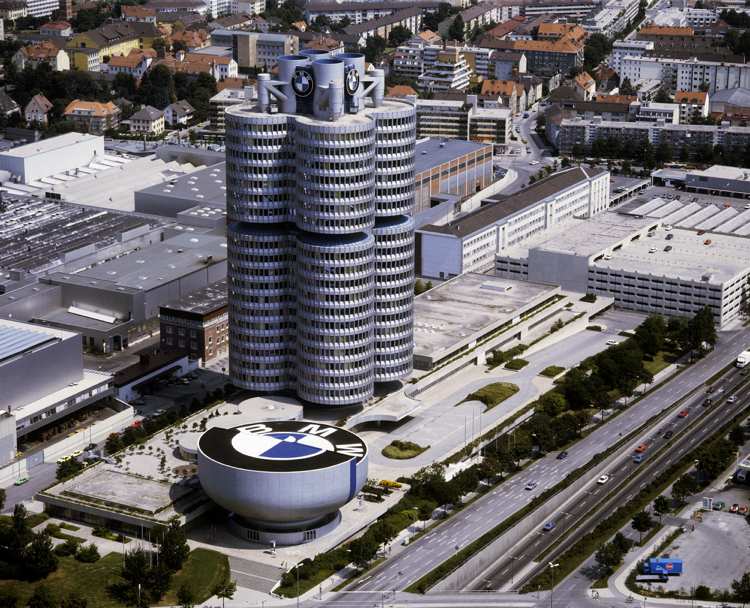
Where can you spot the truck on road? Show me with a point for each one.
(743, 358)
(662, 565)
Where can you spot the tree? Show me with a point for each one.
(225, 590)
(159, 577)
(113, 443)
(431, 20)
(597, 47)
(186, 596)
(684, 487)
(608, 557)
(626, 88)
(362, 550)
(662, 96)
(39, 560)
(2, 498)
(157, 88)
(174, 548)
(42, 598)
(374, 48)
(651, 334)
(641, 523)
(419, 287)
(135, 567)
(737, 435)
(663, 152)
(124, 85)
(68, 468)
(703, 593)
(741, 589)
(399, 35)
(457, 30)
(661, 506)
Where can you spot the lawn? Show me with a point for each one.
(203, 569)
(403, 450)
(659, 362)
(493, 394)
(552, 371)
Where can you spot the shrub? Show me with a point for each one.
(589, 297)
(88, 554)
(516, 364)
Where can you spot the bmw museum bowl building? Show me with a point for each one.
(282, 481)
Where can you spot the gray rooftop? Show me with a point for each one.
(205, 186)
(431, 152)
(147, 113)
(469, 305)
(735, 97)
(152, 266)
(49, 145)
(203, 301)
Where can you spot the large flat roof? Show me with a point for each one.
(203, 301)
(152, 266)
(203, 186)
(722, 172)
(469, 305)
(432, 152)
(50, 145)
(690, 259)
(504, 206)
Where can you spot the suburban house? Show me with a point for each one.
(135, 63)
(56, 29)
(148, 120)
(37, 109)
(178, 113)
(43, 52)
(138, 13)
(218, 66)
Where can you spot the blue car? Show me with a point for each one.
(549, 526)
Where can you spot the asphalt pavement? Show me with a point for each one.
(437, 546)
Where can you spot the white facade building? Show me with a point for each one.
(623, 48)
(686, 74)
(471, 243)
(449, 72)
(42, 8)
(655, 111)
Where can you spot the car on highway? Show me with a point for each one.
(732, 399)
(549, 526)
(668, 434)
(638, 458)
(707, 402)
(63, 459)
(683, 414)
(76, 454)
(641, 448)
(612, 342)
(531, 485)
(20, 481)
(562, 455)
(603, 479)
(534, 162)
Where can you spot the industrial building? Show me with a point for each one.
(320, 238)
(471, 242)
(654, 257)
(197, 323)
(719, 180)
(450, 166)
(282, 481)
(462, 313)
(60, 385)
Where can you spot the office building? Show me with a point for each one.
(463, 119)
(449, 72)
(197, 323)
(470, 243)
(255, 50)
(320, 239)
(225, 98)
(450, 166)
(578, 132)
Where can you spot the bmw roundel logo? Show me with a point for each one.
(351, 80)
(303, 82)
(282, 445)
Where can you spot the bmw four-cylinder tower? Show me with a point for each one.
(320, 188)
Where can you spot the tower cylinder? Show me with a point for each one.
(326, 71)
(288, 65)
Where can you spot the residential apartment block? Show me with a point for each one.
(255, 49)
(463, 119)
(92, 116)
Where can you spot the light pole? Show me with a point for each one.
(552, 566)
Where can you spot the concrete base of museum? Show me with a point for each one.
(283, 537)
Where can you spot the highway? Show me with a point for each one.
(627, 479)
(434, 548)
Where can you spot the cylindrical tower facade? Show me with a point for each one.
(320, 186)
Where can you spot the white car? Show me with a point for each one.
(534, 162)
(603, 479)
(612, 342)
(732, 399)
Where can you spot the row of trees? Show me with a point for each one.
(24, 554)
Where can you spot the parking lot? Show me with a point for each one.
(716, 552)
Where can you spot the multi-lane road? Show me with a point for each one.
(666, 444)
(437, 546)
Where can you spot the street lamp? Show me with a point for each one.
(552, 566)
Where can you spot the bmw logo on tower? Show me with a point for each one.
(282, 481)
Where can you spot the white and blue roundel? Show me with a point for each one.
(281, 445)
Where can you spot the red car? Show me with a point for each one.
(683, 414)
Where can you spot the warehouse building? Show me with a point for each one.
(450, 166)
(640, 260)
(470, 243)
(203, 187)
(63, 388)
(719, 180)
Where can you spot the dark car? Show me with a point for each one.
(668, 248)
(707, 401)
(562, 455)
(670, 236)
(668, 434)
